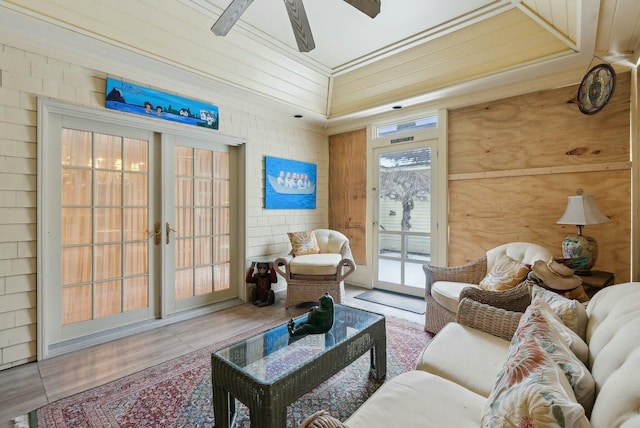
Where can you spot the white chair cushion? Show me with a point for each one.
(315, 264)
(330, 241)
(525, 252)
(417, 399)
(447, 293)
(466, 356)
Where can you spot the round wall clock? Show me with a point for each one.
(596, 88)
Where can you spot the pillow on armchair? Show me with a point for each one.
(506, 273)
(303, 243)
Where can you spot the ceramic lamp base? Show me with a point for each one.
(581, 246)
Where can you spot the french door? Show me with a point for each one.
(136, 226)
(404, 205)
(197, 230)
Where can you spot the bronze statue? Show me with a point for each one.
(319, 319)
(262, 294)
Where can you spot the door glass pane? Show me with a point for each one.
(414, 275)
(419, 248)
(107, 224)
(202, 221)
(108, 298)
(77, 304)
(136, 293)
(104, 225)
(390, 271)
(76, 226)
(404, 189)
(389, 245)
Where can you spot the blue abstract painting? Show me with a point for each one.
(289, 184)
(137, 99)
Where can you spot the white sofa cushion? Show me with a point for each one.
(617, 403)
(613, 334)
(417, 399)
(447, 293)
(466, 356)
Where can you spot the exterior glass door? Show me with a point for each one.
(404, 217)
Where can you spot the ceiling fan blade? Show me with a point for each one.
(300, 25)
(368, 7)
(230, 16)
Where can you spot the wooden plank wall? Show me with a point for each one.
(348, 189)
(514, 162)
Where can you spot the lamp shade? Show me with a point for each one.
(582, 210)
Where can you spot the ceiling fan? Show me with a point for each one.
(297, 16)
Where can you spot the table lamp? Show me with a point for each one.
(581, 211)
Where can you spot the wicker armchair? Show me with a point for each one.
(312, 275)
(495, 312)
(445, 284)
(481, 316)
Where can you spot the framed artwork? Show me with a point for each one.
(136, 99)
(289, 184)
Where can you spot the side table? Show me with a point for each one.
(598, 280)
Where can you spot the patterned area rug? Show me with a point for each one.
(178, 393)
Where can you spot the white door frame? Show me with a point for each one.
(439, 190)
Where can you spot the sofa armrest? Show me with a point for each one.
(471, 273)
(495, 321)
(515, 299)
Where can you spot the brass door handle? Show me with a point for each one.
(156, 234)
(168, 230)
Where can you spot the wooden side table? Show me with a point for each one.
(598, 280)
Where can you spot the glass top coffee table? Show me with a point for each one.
(270, 370)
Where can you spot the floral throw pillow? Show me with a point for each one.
(537, 326)
(533, 389)
(568, 336)
(571, 312)
(506, 273)
(303, 243)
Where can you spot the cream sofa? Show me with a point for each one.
(458, 369)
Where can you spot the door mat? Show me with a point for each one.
(395, 300)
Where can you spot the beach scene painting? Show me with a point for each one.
(289, 184)
(137, 99)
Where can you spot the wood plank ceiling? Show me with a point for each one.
(498, 44)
